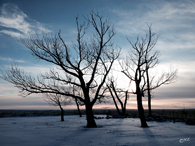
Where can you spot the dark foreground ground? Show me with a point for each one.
(165, 113)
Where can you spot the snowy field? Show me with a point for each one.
(49, 131)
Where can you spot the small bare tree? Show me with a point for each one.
(57, 100)
(136, 68)
(151, 61)
(78, 92)
(86, 64)
(121, 95)
(78, 108)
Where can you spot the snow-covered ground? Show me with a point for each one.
(49, 131)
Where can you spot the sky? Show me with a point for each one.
(173, 21)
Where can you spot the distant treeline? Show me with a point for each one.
(132, 113)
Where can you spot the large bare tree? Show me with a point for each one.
(136, 67)
(85, 64)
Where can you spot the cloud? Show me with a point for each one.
(12, 60)
(16, 23)
(165, 16)
(172, 21)
(11, 33)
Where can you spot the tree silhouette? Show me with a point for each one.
(86, 64)
(118, 93)
(151, 61)
(136, 67)
(57, 100)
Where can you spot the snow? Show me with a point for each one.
(49, 131)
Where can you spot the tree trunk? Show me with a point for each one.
(123, 111)
(149, 95)
(125, 103)
(89, 115)
(62, 113)
(149, 106)
(141, 109)
(121, 103)
(119, 113)
(78, 107)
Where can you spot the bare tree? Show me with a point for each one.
(86, 64)
(153, 82)
(77, 103)
(78, 92)
(120, 94)
(151, 61)
(136, 68)
(57, 100)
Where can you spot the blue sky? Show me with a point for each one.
(172, 21)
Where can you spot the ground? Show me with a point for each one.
(49, 131)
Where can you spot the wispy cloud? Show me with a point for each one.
(12, 60)
(164, 15)
(173, 21)
(16, 23)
